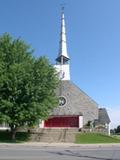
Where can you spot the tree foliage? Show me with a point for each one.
(27, 84)
(117, 130)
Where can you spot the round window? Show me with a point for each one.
(62, 101)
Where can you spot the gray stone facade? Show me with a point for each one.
(77, 103)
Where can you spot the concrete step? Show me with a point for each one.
(54, 135)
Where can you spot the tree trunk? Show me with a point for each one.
(13, 132)
(13, 135)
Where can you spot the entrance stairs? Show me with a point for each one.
(54, 135)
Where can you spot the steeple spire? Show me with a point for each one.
(63, 57)
(62, 65)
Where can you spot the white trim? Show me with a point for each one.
(80, 121)
(109, 129)
(41, 125)
(4, 128)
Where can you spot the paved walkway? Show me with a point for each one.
(39, 144)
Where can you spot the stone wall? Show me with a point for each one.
(77, 102)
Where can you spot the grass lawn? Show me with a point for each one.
(92, 138)
(20, 137)
(116, 136)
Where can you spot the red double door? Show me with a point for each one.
(67, 121)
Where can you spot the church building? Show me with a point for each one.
(76, 109)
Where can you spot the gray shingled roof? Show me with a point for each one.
(103, 116)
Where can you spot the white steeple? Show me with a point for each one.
(62, 60)
(63, 44)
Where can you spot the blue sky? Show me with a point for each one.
(93, 37)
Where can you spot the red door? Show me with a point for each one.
(69, 121)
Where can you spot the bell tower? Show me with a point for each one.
(62, 60)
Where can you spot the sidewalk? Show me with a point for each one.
(39, 144)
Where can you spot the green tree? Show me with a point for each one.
(27, 84)
(117, 130)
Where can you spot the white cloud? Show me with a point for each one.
(114, 114)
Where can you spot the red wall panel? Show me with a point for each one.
(63, 122)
